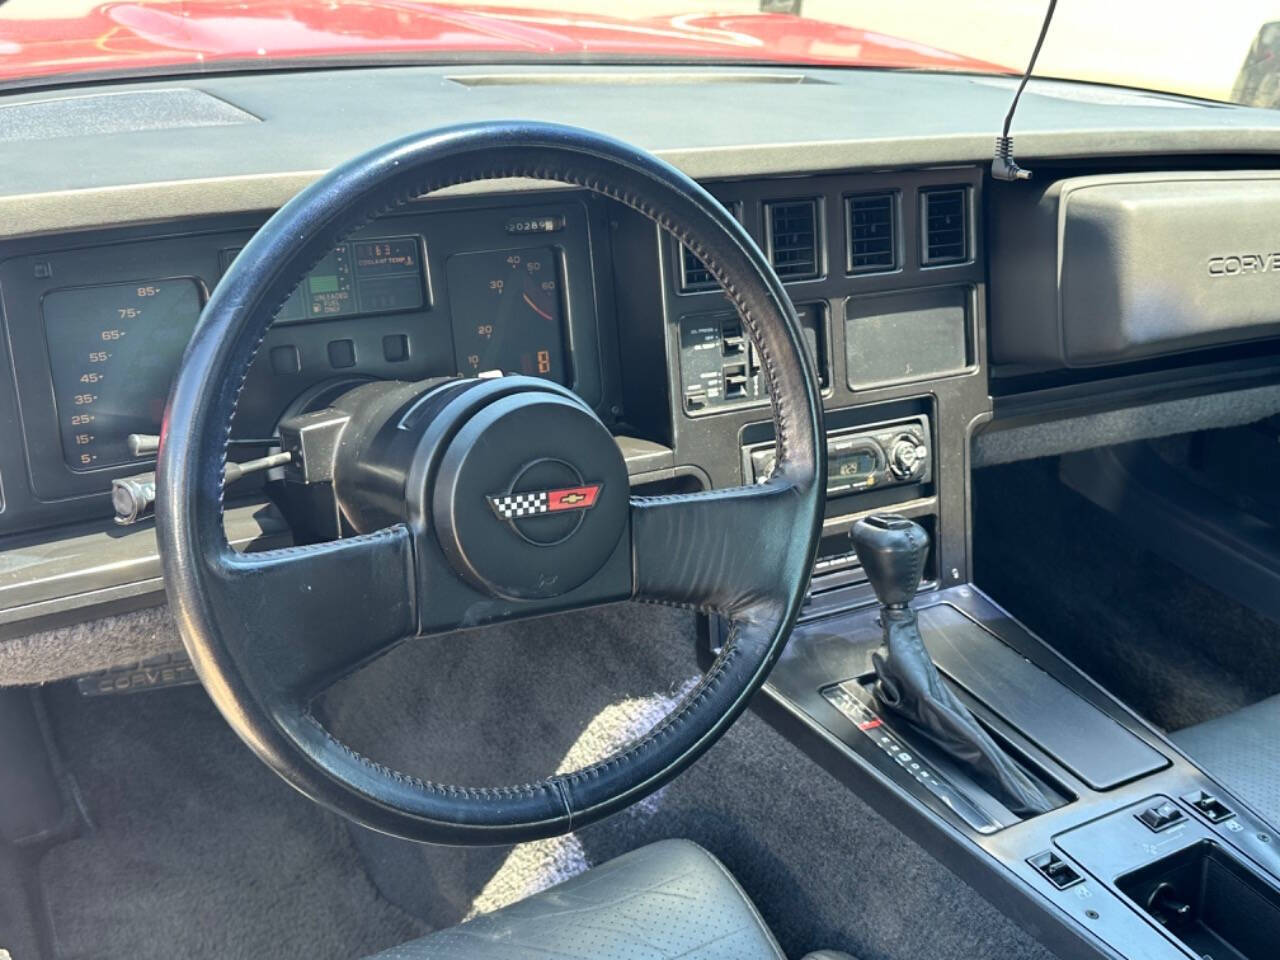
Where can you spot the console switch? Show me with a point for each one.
(1161, 816)
(1056, 870)
(1209, 806)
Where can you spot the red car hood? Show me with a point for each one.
(129, 37)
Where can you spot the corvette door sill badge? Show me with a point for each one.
(156, 673)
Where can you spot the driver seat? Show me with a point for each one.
(669, 899)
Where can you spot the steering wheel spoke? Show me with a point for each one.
(724, 550)
(304, 616)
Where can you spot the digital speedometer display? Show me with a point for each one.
(507, 312)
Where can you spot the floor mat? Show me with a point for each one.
(1173, 649)
(548, 694)
(196, 849)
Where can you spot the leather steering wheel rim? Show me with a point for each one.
(266, 631)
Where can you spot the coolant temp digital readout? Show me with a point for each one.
(113, 350)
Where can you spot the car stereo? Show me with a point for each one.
(862, 458)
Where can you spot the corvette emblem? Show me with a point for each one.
(513, 506)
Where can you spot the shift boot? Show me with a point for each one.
(892, 551)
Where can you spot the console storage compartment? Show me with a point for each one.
(1106, 269)
(1074, 733)
(1210, 901)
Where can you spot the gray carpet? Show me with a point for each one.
(20, 931)
(824, 869)
(1175, 650)
(195, 849)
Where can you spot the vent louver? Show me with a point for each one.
(946, 232)
(694, 275)
(793, 238)
(872, 233)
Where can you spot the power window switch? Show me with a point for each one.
(1056, 870)
(1209, 806)
(1161, 816)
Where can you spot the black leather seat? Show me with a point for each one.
(1242, 750)
(669, 899)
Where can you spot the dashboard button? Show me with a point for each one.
(342, 353)
(285, 360)
(395, 348)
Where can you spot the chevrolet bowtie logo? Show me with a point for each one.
(514, 506)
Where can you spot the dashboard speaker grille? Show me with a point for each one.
(793, 238)
(872, 227)
(946, 230)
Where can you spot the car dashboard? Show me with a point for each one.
(953, 320)
(867, 190)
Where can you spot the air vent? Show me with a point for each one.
(793, 238)
(946, 232)
(694, 275)
(873, 244)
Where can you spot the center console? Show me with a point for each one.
(1129, 850)
(1142, 855)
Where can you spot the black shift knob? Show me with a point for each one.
(892, 551)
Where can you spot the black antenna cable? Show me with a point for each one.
(1003, 166)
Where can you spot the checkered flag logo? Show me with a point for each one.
(513, 506)
(518, 505)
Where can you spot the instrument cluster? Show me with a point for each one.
(97, 332)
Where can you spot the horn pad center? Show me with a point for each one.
(531, 497)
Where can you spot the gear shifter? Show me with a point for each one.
(892, 551)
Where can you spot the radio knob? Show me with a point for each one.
(907, 457)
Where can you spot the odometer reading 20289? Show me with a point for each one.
(507, 314)
(113, 350)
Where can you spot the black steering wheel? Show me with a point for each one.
(478, 501)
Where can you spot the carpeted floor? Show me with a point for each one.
(1175, 650)
(196, 850)
(823, 868)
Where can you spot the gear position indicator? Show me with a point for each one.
(848, 697)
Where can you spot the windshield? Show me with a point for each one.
(1227, 52)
